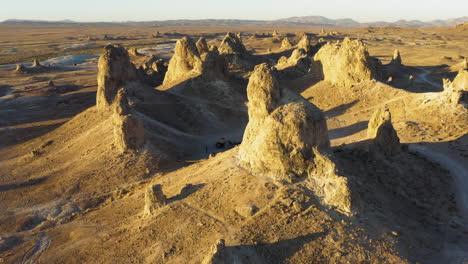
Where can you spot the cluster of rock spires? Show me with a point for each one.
(35, 68)
(287, 139)
(346, 63)
(188, 63)
(153, 70)
(232, 45)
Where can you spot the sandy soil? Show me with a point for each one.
(68, 196)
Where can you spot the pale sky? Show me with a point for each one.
(146, 10)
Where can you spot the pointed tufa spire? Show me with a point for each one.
(396, 57)
(304, 43)
(185, 62)
(231, 44)
(114, 71)
(20, 68)
(36, 63)
(382, 133)
(280, 136)
(465, 64)
(286, 43)
(202, 46)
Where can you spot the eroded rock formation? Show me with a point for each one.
(287, 138)
(286, 43)
(304, 43)
(231, 44)
(154, 199)
(216, 255)
(185, 62)
(346, 63)
(293, 60)
(114, 71)
(456, 92)
(396, 60)
(280, 135)
(129, 133)
(36, 63)
(214, 65)
(202, 46)
(20, 68)
(382, 133)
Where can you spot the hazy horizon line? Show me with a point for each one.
(240, 19)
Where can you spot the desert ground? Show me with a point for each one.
(132, 144)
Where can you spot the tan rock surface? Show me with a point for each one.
(114, 71)
(382, 133)
(346, 63)
(185, 62)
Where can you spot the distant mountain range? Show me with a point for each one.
(284, 22)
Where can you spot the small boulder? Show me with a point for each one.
(154, 199)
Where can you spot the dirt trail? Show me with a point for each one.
(33, 255)
(455, 249)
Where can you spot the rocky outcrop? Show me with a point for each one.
(154, 199)
(216, 255)
(304, 43)
(380, 130)
(287, 138)
(346, 63)
(185, 62)
(282, 130)
(231, 44)
(286, 44)
(129, 133)
(214, 65)
(327, 183)
(114, 71)
(396, 60)
(36, 63)
(293, 60)
(134, 52)
(20, 68)
(456, 92)
(202, 46)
